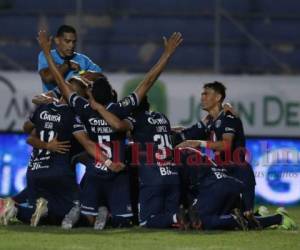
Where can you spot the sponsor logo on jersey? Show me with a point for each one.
(159, 121)
(48, 117)
(227, 129)
(97, 122)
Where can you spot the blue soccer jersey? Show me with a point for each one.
(84, 62)
(53, 120)
(151, 131)
(110, 142)
(227, 123)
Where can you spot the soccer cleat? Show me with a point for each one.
(71, 218)
(287, 222)
(253, 223)
(182, 219)
(263, 211)
(101, 218)
(194, 219)
(242, 223)
(8, 211)
(40, 211)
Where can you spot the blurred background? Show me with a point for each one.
(252, 46)
(221, 36)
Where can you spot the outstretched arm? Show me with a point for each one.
(170, 46)
(222, 145)
(45, 44)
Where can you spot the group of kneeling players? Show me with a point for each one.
(139, 170)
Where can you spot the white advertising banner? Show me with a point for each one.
(267, 105)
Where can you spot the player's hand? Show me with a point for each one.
(74, 66)
(228, 108)
(56, 146)
(117, 167)
(172, 43)
(189, 143)
(44, 41)
(43, 99)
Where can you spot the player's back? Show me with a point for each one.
(110, 142)
(152, 132)
(53, 121)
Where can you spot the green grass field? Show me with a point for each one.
(23, 237)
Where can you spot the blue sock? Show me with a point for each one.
(268, 221)
(21, 197)
(24, 214)
(216, 222)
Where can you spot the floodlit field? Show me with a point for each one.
(48, 237)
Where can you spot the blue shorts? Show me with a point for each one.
(218, 198)
(60, 191)
(113, 193)
(157, 200)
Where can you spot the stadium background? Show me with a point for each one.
(251, 45)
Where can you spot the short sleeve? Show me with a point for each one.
(91, 66)
(124, 107)
(42, 62)
(230, 125)
(56, 92)
(77, 125)
(79, 104)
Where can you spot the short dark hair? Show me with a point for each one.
(65, 29)
(217, 87)
(102, 91)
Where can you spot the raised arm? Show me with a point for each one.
(170, 46)
(45, 44)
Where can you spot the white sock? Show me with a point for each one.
(175, 218)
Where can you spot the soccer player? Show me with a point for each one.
(69, 62)
(216, 198)
(77, 152)
(51, 184)
(227, 139)
(213, 194)
(113, 188)
(158, 178)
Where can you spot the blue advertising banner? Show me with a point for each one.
(276, 164)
